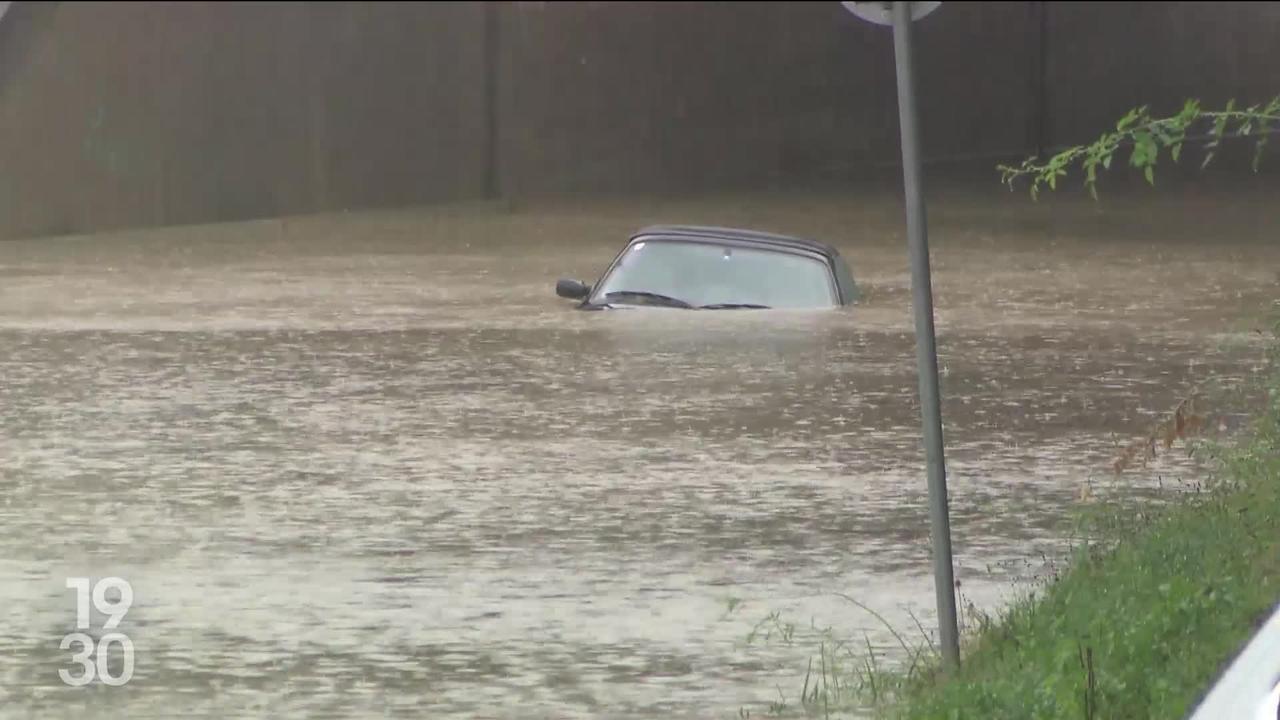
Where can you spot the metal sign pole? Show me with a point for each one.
(926, 349)
(900, 17)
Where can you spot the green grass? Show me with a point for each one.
(1143, 617)
(1137, 623)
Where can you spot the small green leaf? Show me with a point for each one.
(1150, 175)
(1145, 149)
(1093, 191)
(1189, 112)
(1219, 127)
(1176, 151)
(1131, 118)
(1106, 161)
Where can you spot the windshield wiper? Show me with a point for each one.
(658, 299)
(733, 306)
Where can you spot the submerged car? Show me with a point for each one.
(709, 268)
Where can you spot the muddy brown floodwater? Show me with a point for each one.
(369, 464)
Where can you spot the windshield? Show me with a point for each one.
(704, 273)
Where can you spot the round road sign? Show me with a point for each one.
(881, 13)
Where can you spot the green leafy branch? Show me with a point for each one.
(1149, 136)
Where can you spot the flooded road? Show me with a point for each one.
(369, 465)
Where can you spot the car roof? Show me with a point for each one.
(735, 234)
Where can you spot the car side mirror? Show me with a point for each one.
(572, 289)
